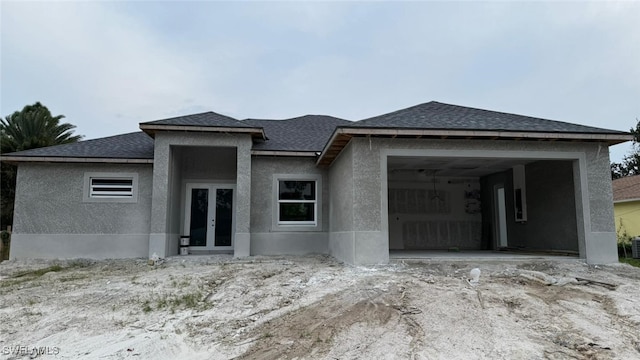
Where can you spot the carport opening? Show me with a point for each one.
(462, 205)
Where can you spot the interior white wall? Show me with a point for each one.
(418, 220)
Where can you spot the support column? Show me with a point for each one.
(158, 241)
(600, 239)
(242, 246)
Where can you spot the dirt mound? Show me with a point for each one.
(215, 307)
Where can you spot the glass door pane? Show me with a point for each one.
(224, 217)
(199, 215)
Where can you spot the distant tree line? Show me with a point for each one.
(630, 164)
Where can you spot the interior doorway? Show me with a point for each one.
(500, 216)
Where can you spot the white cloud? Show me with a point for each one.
(108, 67)
(96, 63)
(319, 19)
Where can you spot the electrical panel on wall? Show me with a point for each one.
(520, 193)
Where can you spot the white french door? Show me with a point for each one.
(208, 216)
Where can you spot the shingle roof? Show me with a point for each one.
(209, 118)
(626, 188)
(435, 115)
(305, 133)
(137, 145)
(311, 132)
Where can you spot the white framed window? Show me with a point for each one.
(297, 202)
(110, 187)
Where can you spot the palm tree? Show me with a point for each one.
(32, 127)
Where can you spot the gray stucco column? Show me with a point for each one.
(158, 234)
(356, 233)
(242, 246)
(600, 234)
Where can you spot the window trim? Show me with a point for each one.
(87, 195)
(314, 225)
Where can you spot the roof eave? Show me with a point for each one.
(284, 153)
(68, 159)
(342, 135)
(255, 132)
(626, 200)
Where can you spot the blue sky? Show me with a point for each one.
(109, 65)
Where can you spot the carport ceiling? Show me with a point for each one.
(452, 166)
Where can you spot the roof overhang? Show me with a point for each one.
(256, 133)
(64, 159)
(342, 135)
(284, 153)
(622, 201)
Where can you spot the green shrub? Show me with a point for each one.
(624, 249)
(624, 241)
(632, 262)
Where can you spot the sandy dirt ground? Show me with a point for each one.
(215, 307)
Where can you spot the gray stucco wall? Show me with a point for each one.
(266, 237)
(341, 199)
(551, 219)
(52, 221)
(551, 206)
(592, 160)
(341, 236)
(164, 236)
(206, 163)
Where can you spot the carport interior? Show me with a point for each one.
(475, 203)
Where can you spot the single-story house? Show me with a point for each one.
(626, 205)
(430, 177)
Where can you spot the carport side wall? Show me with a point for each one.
(551, 220)
(593, 158)
(551, 207)
(341, 204)
(52, 220)
(267, 239)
